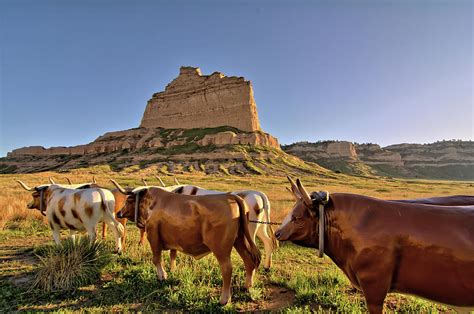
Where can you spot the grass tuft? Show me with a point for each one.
(71, 265)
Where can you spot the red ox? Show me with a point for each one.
(387, 246)
(194, 225)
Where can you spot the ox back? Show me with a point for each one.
(455, 200)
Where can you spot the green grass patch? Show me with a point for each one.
(70, 265)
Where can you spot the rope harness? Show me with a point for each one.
(42, 202)
(321, 199)
(137, 207)
(265, 222)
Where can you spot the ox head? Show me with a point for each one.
(301, 223)
(38, 194)
(134, 208)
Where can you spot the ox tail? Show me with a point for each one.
(109, 213)
(266, 209)
(244, 227)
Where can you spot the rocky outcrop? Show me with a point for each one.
(440, 160)
(141, 138)
(193, 100)
(229, 137)
(320, 150)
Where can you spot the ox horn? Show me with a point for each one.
(51, 180)
(176, 181)
(304, 195)
(161, 181)
(26, 187)
(144, 182)
(68, 180)
(294, 188)
(121, 189)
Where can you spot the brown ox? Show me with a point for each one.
(386, 246)
(194, 225)
(455, 200)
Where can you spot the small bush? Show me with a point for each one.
(71, 265)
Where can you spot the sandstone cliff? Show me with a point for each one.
(193, 100)
(440, 160)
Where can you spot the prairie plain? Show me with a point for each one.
(297, 282)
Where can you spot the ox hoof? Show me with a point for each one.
(163, 276)
(224, 300)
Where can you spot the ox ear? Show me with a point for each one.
(304, 195)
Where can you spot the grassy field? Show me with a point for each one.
(298, 281)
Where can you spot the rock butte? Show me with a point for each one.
(193, 100)
(190, 101)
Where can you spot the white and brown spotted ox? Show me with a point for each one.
(75, 209)
(387, 246)
(194, 225)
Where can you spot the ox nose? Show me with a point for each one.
(119, 214)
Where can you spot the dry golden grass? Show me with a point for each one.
(13, 198)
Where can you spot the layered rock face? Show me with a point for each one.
(141, 138)
(443, 160)
(193, 100)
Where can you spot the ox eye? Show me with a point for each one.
(293, 218)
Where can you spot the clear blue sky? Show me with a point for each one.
(367, 71)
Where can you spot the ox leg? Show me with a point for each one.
(226, 270)
(173, 254)
(374, 294)
(241, 247)
(118, 242)
(220, 242)
(374, 276)
(157, 249)
(73, 233)
(268, 245)
(92, 233)
(142, 236)
(104, 230)
(123, 221)
(56, 236)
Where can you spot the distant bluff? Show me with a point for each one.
(453, 160)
